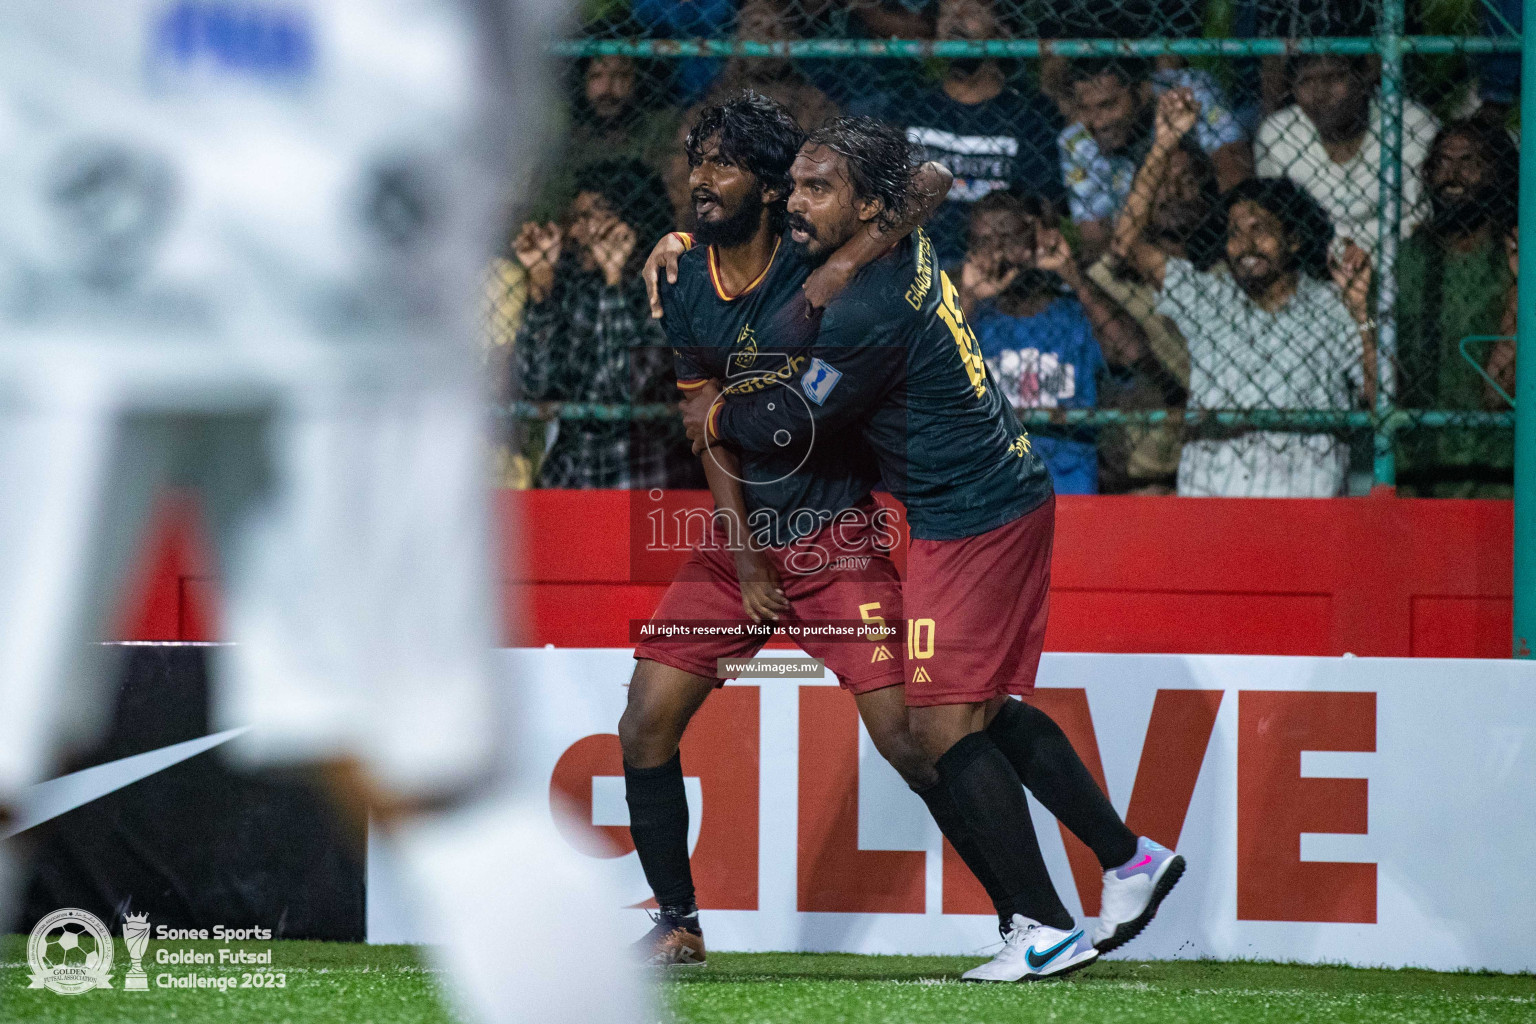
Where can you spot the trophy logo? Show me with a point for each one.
(136, 938)
(70, 952)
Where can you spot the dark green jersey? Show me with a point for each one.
(896, 360)
(789, 493)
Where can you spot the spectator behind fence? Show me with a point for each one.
(1099, 19)
(687, 19)
(588, 335)
(774, 77)
(1044, 348)
(1329, 143)
(991, 131)
(1139, 458)
(1298, 19)
(1269, 332)
(1114, 100)
(1455, 278)
(613, 115)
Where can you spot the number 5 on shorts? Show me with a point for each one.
(879, 630)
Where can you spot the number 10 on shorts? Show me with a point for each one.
(919, 639)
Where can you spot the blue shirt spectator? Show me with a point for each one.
(1048, 361)
(1044, 327)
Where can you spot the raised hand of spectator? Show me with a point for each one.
(1177, 112)
(612, 245)
(537, 248)
(1053, 254)
(984, 276)
(1352, 273)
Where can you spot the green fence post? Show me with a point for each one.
(1389, 212)
(1525, 367)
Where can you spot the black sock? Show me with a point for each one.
(658, 822)
(990, 801)
(942, 806)
(1048, 766)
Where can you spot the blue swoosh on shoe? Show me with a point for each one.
(1038, 961)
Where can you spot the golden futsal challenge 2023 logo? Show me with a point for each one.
(70, 952)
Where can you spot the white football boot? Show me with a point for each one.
(1133, 892)
(1033, 952)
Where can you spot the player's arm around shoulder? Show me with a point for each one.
(663, 261)
(847, 371)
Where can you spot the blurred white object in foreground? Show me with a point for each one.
(240, 246)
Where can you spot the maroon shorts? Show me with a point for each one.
(838, 576)
(976, 611)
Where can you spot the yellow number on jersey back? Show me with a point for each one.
(965, 338)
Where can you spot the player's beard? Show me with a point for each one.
(803, 250)
(735, 228)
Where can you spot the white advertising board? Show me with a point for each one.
(1367, 811)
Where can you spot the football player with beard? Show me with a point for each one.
(740, 308)
(896, 361)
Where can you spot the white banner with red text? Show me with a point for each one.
(1366, 811)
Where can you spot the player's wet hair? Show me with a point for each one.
(755, 133)
(1305, 222)
(879, 161)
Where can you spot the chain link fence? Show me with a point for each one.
(1321, 276)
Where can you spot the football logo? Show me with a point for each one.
(70, 952)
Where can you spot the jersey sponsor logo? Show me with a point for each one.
(262, 41)
(1020, 445)
(921, 676)
(766, 378)
(882, 653)
(819, 380)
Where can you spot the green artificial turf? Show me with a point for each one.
(336, 982)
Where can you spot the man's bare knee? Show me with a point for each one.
(940, 727)
(661, 702)
(898, 747)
